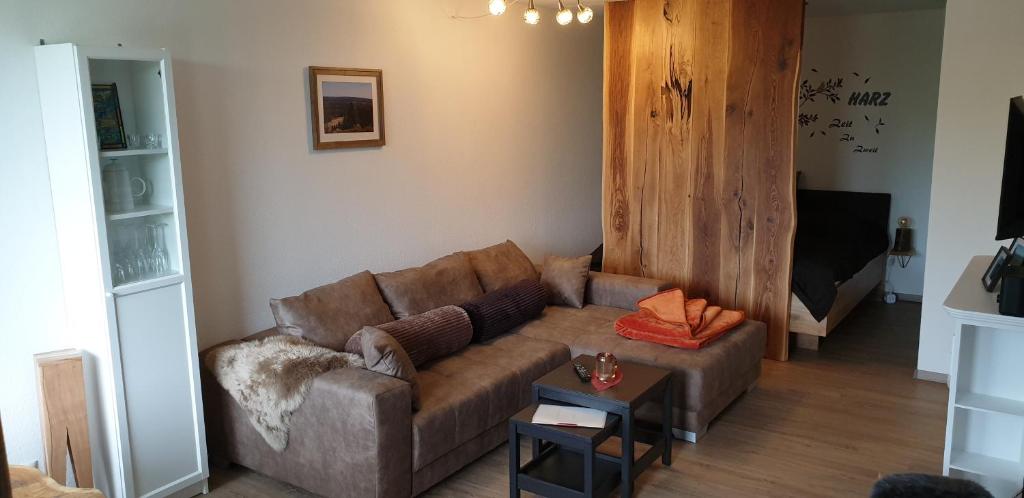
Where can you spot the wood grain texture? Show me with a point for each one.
(30, 483)
(65, 418)
(826, 423)
(849, 295)
(699, 122)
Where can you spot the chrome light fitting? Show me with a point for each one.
(563, 17)
(532, 15)
(497, 7)
(584, 14)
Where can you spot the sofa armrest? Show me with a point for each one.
(358, 425)
(621, 291)
(352, 436)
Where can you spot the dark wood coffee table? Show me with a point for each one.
(557, 452)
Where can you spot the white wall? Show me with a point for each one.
(493, 130)
(900, 53)
(981, 70)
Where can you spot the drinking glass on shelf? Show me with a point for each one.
(154, 141)
(159, 258)
(134, 140)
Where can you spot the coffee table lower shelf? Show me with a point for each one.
(558, 471)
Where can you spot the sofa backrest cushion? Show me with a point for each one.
(565, 279)
(444, 281)
(501, 265)
(498, 312)
(384, 354)
(330, 314)
(427, 336)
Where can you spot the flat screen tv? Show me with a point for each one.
(1011, 200)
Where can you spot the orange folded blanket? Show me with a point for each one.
(669, 318)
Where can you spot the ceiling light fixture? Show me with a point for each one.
(532, 15)
(585, 14)
(497, 7)
(564, 15)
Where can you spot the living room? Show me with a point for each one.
(497, 129)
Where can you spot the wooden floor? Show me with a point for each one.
(826, 423)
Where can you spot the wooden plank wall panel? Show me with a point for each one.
(699, 181)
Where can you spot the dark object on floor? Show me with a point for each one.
(596, 258)
(5, 476)
(927, 486)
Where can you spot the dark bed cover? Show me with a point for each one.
(838, 233)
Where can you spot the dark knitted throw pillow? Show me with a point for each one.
(427, 336)
(498, 312)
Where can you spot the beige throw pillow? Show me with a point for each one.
(565, 279)
(330, 314)
(501, 265)
(443, 281)
(383, 354)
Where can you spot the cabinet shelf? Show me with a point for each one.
(139, 212)
(976, 463)
(148, 284)
(131, 152)
(992, 404)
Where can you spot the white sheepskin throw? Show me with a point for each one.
(270, 378)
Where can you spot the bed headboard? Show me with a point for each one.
(867, 207)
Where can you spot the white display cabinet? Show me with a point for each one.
(124, 264)
(985, 420)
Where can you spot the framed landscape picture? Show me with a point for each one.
(107, 110)
(347, 107)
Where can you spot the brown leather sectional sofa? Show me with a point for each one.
(356, 434)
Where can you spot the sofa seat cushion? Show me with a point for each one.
(564, 325)
(466, 394)
(699, 375)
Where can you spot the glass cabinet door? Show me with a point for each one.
(137, 174)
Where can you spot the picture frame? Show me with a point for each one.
(995, 269)
(347, 107)
(106, 109)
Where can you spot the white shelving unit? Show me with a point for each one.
(985, 419)
(126, 279)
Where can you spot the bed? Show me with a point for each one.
(841, 247)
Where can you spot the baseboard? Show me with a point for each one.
(931, 376)
(913, 298)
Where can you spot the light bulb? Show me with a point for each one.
(497, 7)
(532, 15)
(564, 15)
(585, 14)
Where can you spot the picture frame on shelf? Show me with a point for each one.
(1017, 252)
(995, 269)
(347, 107)
(106, 108)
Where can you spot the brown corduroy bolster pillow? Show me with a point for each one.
(427, 336)
(498, 312)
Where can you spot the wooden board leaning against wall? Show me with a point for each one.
(699, 129)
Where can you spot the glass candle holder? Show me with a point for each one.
(605, 367)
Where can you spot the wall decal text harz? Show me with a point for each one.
(827, 92)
